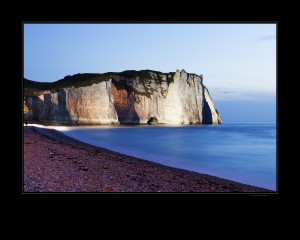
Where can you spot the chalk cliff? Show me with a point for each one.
(131, 97)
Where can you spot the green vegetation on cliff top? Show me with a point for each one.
(32, 88)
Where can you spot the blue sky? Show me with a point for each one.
(238, 61)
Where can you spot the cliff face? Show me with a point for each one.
(127, 97)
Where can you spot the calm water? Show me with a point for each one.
(241, 152)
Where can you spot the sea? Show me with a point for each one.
(242, 152)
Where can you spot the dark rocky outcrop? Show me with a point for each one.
(153, 120)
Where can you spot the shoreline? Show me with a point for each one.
(54, 162)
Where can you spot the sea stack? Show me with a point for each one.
(129, 97)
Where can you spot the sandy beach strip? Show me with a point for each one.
(54, 162)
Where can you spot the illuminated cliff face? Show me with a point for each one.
(177, 98)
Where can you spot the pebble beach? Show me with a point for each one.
(54, 162)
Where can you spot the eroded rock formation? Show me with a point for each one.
(131, 97)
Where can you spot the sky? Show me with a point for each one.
(237, 61)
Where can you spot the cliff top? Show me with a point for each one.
(87, 79)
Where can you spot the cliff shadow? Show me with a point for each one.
(49, 112)
(206, 111)
(37, 110)
(126, 112)
(63, 114)
(124, 100)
